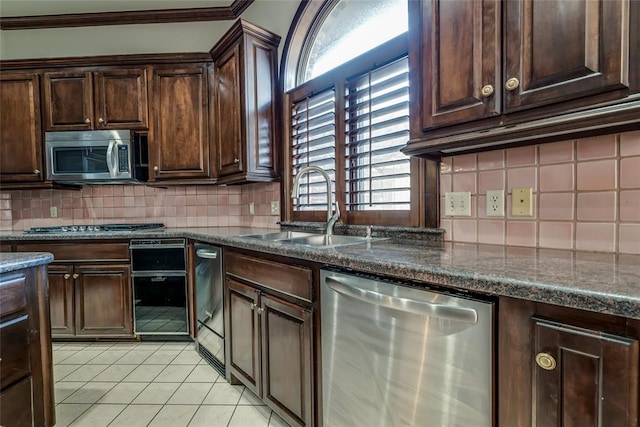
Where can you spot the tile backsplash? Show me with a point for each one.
(586, 194)
(184, 206)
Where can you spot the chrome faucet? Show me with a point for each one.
(295, 192)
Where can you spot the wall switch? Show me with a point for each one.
(275, 207)
(457, 204)
(521, 201)
(495, 203)
(252, 208)
(53, 212)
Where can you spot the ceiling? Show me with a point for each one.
(36, 14)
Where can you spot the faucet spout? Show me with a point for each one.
(295, 192)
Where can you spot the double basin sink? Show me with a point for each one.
(310, 239)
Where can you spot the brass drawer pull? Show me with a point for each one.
(260, 310)
(512, 84)
(487, 90)
(252, 306)
(546, 361)
(76, 275)
(66, 276)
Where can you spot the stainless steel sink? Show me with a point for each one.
(280, 235)
(324, 241)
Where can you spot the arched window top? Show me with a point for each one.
(332, 32)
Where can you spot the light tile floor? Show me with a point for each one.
(148, 384)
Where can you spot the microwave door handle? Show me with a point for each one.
(110, 162)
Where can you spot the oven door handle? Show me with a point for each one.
(441, 311)
(204, 253)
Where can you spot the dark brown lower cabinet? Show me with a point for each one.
(90, 300)
(270, 343)
(562, 367)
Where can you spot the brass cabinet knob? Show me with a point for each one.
(487, 90)
(236, 160)
(75, 275)
(260, 310)
(36, 171)
(252, 306)
(155, 168)
(87, 120)
(100, 120)
(66, 276)
(512, 83)
(546, 361)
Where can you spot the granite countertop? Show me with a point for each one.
(19, 260)
(599, 282)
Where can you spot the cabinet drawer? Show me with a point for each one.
(15, 402)
(14, 350)
(12, 296)
(80, 252)
(290, 279)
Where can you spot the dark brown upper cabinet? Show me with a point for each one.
(178, 138)
(492, 72)
(20, 130)
(244, 98)
(102, 99)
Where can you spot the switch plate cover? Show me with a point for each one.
(457, 204)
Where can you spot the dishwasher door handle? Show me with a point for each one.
(441, 311)
(203, 253)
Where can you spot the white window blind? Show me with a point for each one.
(377, 174)
(313, 139)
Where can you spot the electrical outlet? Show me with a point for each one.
(275, 207)
(521, 204)
(457, 204)
(53, 212)
(252, 208)
(495, 203)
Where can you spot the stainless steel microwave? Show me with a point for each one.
(102, 156)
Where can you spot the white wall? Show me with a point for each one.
(274, 15)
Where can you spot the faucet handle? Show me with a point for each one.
(368, 232)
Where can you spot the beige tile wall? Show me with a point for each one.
(188, 206)
(586, 194)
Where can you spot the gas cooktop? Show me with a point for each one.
(95, 228)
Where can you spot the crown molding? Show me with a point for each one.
(158, 16)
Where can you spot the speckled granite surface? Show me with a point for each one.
(17, 261)
(605, 283)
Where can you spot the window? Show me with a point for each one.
(352, 119)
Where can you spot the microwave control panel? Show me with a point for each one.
(123, 158)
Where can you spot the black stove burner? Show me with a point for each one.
(95, 228)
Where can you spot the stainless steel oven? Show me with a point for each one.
(159, 273)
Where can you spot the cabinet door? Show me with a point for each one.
(286, 359)
(121, 99)
(454, 56)
(577, 381)
(561, 50)
(68, 101)
(61, 300)
(103, 300)
(227, 123)
(179, 144)
(20, 132)
(244, 339)
(17, 406)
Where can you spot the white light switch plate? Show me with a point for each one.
(275, 208)
(457, 204)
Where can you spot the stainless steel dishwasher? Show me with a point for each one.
(396, 355)
(209, 305)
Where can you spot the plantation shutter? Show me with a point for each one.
(377, 174)
(313, 136)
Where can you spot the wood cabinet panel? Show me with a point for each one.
(459, 52)
(13, 296)
(564, 50)
(21, 131)
(61, 301)
(103, 300)
(14, 346)
(244, 339)
(286, 359)
(289, 279)
(179, 142)
(16, 405)
(121, 99)
(110, 251)
(68, 101)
